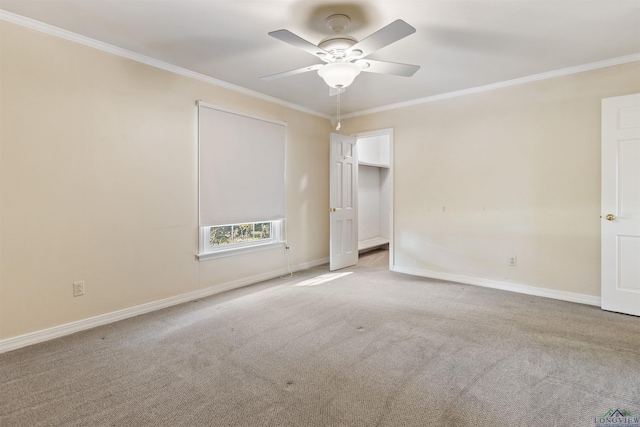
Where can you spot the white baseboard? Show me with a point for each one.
(20, 341)
(311, 264)
(505, 286)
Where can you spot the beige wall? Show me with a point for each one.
(98, 182)
(514, 171)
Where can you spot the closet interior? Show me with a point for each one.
(374, 191)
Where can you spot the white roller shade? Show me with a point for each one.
(241, 168)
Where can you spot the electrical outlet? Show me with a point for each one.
(78, 288)
(513, 261)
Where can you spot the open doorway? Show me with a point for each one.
(361, 196)
(374, 189)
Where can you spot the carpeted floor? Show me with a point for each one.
(370, 348)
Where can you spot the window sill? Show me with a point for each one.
(238, 251)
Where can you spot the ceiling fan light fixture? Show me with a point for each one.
(339, 74)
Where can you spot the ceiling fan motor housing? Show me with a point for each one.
(336, 45)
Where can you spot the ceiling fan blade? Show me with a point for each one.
(292, 72)
(393, 32)
(296, 41)
(383, 67)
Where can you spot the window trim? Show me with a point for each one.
(277, 239)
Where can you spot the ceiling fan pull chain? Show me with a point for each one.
(338, 114)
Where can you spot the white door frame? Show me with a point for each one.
(382, 132)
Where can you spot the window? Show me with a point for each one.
(241, 182)
(236, 234)
(219, 239)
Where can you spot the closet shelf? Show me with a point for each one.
(375, 165)
(372, 243)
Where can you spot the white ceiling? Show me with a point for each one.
(458, 44)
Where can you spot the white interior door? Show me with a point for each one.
(343, 191)
(621, 204)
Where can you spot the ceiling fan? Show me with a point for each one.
(344, 56)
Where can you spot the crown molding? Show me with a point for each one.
(507, 83)
(106, 47)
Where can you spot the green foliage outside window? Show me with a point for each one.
(239, 233)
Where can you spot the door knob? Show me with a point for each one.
(610, 217)
(333, 209)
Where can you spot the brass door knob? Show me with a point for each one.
(333, 209)
(610, 217)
